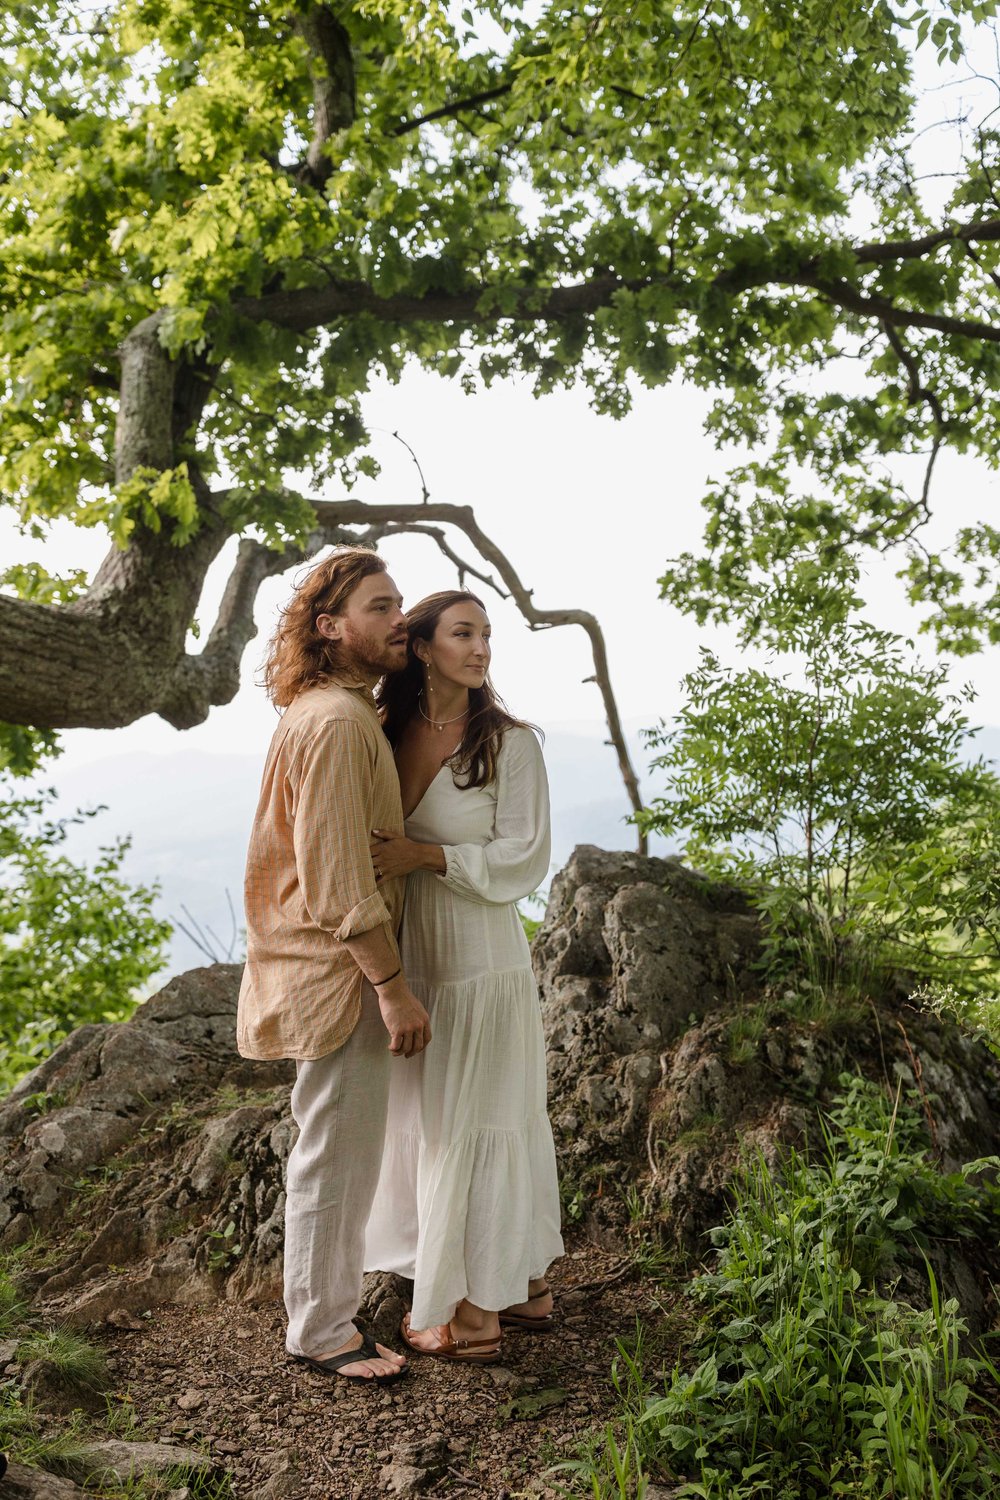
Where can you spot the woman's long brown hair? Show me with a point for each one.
(298, 656)
(489, 719)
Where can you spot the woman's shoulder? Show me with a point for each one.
(521, 745)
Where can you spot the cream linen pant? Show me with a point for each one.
(339, 1103)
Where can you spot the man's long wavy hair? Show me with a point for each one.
(489, 719)
(298, 656)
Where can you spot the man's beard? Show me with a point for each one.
(362, 655)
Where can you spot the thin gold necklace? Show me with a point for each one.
(434, 722)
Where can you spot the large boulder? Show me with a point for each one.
(150, 1146)
(668, 1058)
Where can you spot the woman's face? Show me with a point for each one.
(459, 650)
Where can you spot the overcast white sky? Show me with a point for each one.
(586, 508)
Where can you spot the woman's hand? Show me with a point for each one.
(393, 854)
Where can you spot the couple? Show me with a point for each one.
(430, 1158)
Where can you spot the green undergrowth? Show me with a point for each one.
(55, 1359)
(804, 1004)
(978, 1014)
(809, 1374)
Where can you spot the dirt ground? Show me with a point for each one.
(218, 1377)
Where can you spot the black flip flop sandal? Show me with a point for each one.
(365, 1350)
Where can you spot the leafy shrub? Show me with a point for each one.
(810, 1377)
(838, 795)
(75, 943)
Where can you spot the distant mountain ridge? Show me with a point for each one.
(189, 813)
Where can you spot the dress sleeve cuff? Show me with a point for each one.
(452, 872)
(370, 913)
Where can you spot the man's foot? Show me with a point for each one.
(455, 1341)
(373, 1363)
(535, 1314)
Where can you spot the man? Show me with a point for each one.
(323, 981)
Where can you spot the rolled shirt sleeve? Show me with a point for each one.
(516, 860)
(332, 807)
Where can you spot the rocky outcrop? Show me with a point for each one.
(151, 1157)
(20, 1482)
(151, 1147)
(632, 952)
(668, 1058)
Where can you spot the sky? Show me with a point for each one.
(586, 508)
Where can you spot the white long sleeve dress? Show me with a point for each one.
(468, 1203)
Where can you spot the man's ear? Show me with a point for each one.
(329, 626)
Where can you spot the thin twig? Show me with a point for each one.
(198, 937)
(626, 1268)
(462, 1479)
(464, 568)
(425, 493)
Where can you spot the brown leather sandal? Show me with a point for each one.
(525, 1320)
(452, 1349)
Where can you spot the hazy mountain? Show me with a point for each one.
(189, 813)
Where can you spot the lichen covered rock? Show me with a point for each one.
(668, 1059)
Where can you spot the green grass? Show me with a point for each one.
(22, 1436)
(66, 1359)
(13, 1309)
(808, 1376)
(161, 1486)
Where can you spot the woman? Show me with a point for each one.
(467, 1203)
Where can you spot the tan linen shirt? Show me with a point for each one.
(328, 781)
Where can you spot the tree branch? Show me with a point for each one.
(447, 110)
(887, 250)
(332, 70)
(916, 390)
(333, 513)
(313, 307)
(121, 651)
(213, 676)
(848, 297)
(463, 568)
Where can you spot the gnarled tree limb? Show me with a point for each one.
(107, 662)
(306, 308)
(341, 512)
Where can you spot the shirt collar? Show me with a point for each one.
(345, 680)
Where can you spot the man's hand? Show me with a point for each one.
(408, 1024)
(393, 855)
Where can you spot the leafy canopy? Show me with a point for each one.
(697, 169)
